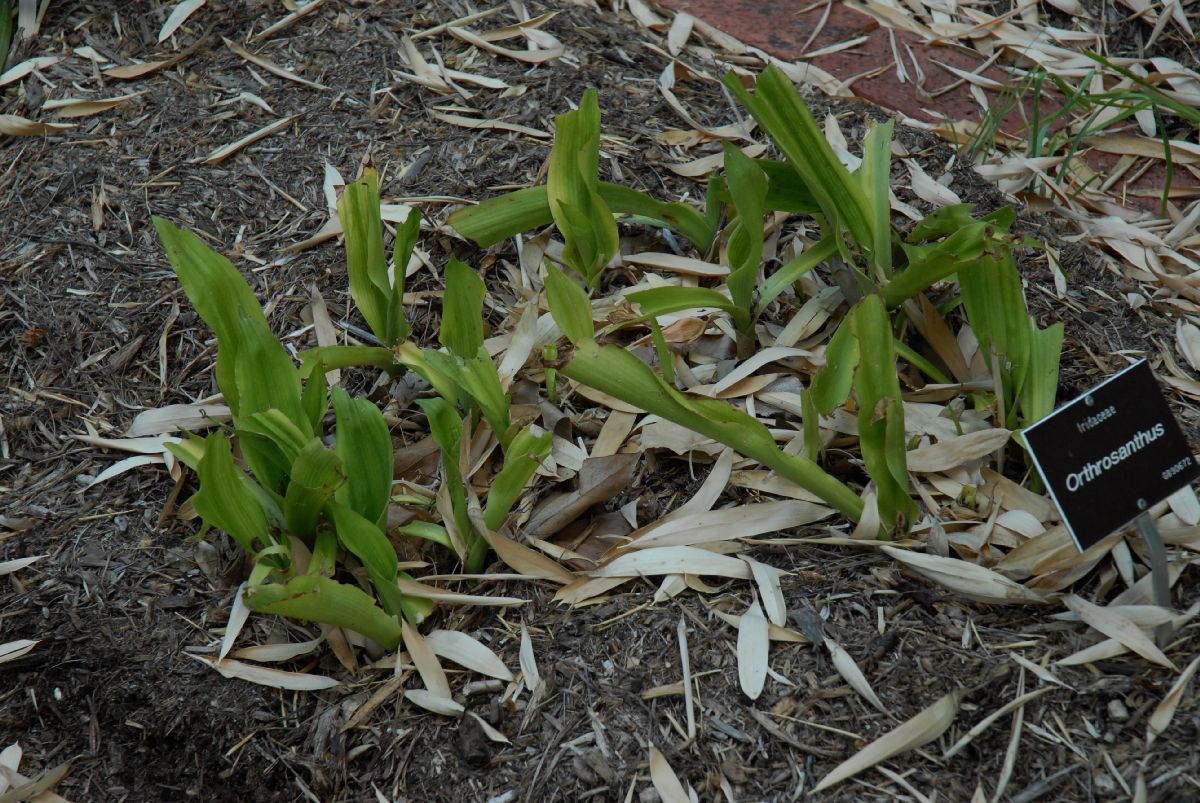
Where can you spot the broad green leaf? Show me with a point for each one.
(783, 115)
(786, 190)
(406, 240)
(481, 381)
(812, 425)
(314, 400)
(427, 530)
(1041, 383)
(875, 178)
(316, 475)
(330, 358)
(572, 191)
(995, 304)
(880, 413)
(462, 311)
(266, 377)
(277, 428)
(569, 305)
(6, 30)
(323, 562)
(929, 264)
(189, 451)
(366, 541)
(365, 448)
(218, 292)
(823, 251)
(942, 222)
(505, 216)
(831, 385)
(665, 300)
(447, 429)
(748, 187)
(225, 501)
(615, 371)
(525, 454)
(417, 360)
(319, 599)
(366, 263)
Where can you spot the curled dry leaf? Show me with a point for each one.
(436, 703)
(225, 151)
(277, 653)
(769, 590)
(529, 668)
(14, 125)
(83, 107)
(849, 670)
(466, 651)
(666, 782)
(415, 589)
(16, 649)
(954, 452)
(16, 564)
(423, 656)
(488, 731)
(19, 71)
(920, 730)
(774, 632)
(1118, 627)
(968, 579)
(179, 15)
(753, 645)
(1164, 712)
(674, 560)
(265, 676)
(177, 417)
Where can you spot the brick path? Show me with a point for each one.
(778, 28)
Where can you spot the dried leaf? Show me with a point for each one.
(952, 453)
(277, 653)
(265, 676)
(1118, 627)
(529, 668)
(968, 579)
(920, 730)
(179, 15)
(178, 417)
(666, 782)
(769, 590)
(19, 71)
(466, 651)
(238, 615)
(16, 564)
(753, 645)
(849, 670)
(225, 151)
(13, 125)
(436, 703)
(1164, 712)
(599, 480)
(498, 125)
(83, 107)
(423, 657)
(16, 649)
(673, 560)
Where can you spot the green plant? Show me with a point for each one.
(878, 267)
(299, 498)
(619, 373)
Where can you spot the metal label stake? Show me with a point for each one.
(1158, 573)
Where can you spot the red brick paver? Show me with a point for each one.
(781, 29)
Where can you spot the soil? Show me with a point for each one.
(123, 596)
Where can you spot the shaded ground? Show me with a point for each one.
(87, 299)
